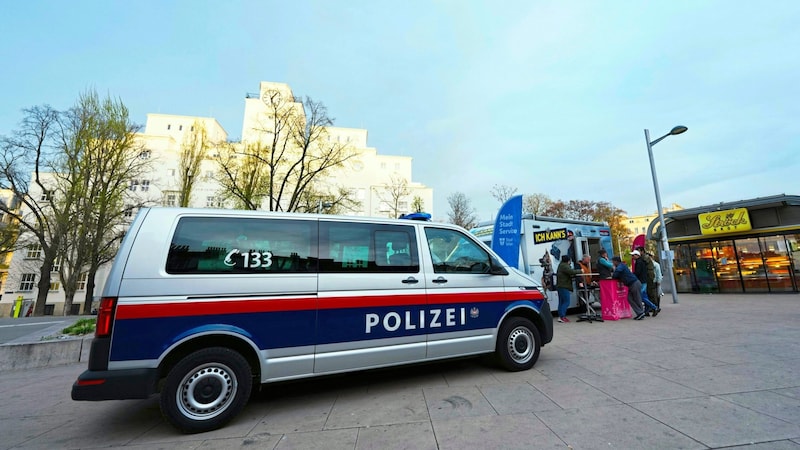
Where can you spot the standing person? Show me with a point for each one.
(626, 277)
(586, 268)
(659, 279)
(564, 275)
(640, 269)
(604, 266)
(650, 288)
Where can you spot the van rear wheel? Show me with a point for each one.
(518, 344)
(206, 389)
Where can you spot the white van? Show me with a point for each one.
(543, 240)
(201, 304)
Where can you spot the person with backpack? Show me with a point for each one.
(645, 273)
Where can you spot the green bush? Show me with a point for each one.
(83, 326)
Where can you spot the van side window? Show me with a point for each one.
(362, 247)
(243, 245)
(453, 251)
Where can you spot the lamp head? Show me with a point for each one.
(678, 130)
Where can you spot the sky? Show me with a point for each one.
(548, 97)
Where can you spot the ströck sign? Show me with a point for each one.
(727, 221)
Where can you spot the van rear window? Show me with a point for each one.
(243, 245)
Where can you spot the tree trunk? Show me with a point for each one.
(89, 299)
(44, 288)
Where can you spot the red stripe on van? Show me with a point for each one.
(206, 308)
(217, 307)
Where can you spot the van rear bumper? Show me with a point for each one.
(95, 385)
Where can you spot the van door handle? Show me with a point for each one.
(411, 280)
(440, 280)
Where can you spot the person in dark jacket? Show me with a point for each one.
(564, 275)
(624, 275)
(643, 272)
(651, 290)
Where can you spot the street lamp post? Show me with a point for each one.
(667, 256)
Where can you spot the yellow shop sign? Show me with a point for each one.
(727, 221)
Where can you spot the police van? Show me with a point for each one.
(203, 306)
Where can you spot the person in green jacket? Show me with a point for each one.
(564, 275)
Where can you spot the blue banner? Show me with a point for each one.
(507, 230)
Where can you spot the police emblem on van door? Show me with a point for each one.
(474, 313)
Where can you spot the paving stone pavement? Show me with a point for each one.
(715, 371)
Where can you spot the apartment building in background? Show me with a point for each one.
(637, 225)
(368, 176)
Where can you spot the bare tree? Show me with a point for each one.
(328, 201)
(503, 192)
(393, 193)
(29, 158)
(461, 211)
(536, 204)
(293, 152)
(244, 175)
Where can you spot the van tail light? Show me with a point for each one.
(105, 316)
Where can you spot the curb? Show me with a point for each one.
(31, 352)
(36, 355)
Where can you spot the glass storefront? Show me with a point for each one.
(756, 264)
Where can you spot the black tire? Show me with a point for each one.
(206, 389)
(518, 344)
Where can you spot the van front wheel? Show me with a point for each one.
(518, 344)
(206, 389)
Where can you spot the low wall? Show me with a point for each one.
(35, 355)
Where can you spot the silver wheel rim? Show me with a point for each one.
(206, 391)
(520, 345)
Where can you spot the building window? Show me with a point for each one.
(56, 265)
(383, 165)
(34, 251)
(46, 196)
(145, 154)
(81, 285)
(129, 210)
(134, 184)
(171, 172)
(172, 200)
(212, 202)
(396, 166)
(27, 283)
(192, 128)
(180, 127)
(55, 285)
(169, 126)
(145, 185)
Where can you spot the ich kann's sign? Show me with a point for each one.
(728, 221)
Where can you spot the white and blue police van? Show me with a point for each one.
(203, 306)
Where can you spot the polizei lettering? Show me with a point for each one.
(411, 320)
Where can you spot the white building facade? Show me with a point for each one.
(367, 175)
